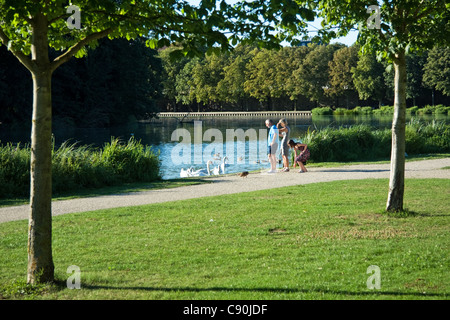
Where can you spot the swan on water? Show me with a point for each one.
(202, 172)
(216, 170)
(198, 173)
(224, 164)
(185, 173)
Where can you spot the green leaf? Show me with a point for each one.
(151, 43)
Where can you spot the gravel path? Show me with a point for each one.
(234, 184)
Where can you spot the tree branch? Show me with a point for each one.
(78, 46)
(25, 60)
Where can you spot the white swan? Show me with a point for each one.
(216, 170)
(223, 165)
(202, 172)
(185, 173)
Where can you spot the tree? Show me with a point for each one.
(30, 27)
(184, 88)
(171, 69)
(437, 70)
(341, 82)
(368, 78)
(414, 76)
(296, 58)
(231, 87)
(314, 73)
(396, 29)
(205, 78)
(261, 82)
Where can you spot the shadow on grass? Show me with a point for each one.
(355, 170)
(274, 290)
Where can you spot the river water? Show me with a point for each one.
(193, 143)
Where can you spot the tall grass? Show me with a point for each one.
(76, 167)
(363, 142)
(384, 110)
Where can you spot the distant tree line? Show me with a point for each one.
(299, 78)
(123, 80)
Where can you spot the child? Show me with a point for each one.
(303, 155)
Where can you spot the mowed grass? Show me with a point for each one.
(305, 242)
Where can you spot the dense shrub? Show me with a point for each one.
(384, 110)
(339, 111)
(76, 167)
(412, 110)
(324, 111)
(366, 110)
(363, 142)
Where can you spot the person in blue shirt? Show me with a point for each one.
(272, 144)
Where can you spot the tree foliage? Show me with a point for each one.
(437, 70)
(368, 78)
(341, 65)
(405, 26)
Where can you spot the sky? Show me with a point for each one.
(348, 40)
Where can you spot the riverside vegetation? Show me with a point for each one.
(363, 142)
(77, 167)
(439, 109)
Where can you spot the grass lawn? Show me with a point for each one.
(305, 242)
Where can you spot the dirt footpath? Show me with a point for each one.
(234, 184)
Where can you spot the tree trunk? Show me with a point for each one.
(40, 261)
(269, 103)
(397, 175)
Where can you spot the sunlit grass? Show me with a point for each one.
(302, 242)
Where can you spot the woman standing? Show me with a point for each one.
(284, 133)
(303, 155)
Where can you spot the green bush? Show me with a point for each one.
(366, 110)
(440, 109)
(349, 112)
(412, 110)
(357, 110)
(14, 170)
(426, 110)
(339, 111)
(77, 167)
(323, 111)
(362, 142)
(387, 109)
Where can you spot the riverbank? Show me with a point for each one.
(230, 184)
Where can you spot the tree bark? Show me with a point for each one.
(397, 174)
(40, 261)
